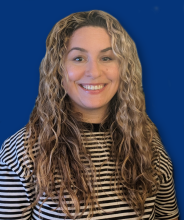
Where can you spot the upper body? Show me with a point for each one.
(18, 191)
(91, 74)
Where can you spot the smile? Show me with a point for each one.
(93, 87)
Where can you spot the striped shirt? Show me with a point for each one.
(17, 192)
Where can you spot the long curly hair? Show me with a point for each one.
(57, 129)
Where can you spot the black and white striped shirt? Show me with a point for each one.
(17, 192)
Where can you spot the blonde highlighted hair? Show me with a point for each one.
(57, 129)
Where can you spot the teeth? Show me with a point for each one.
(90, 87)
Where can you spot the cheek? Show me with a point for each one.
(113, 74)
(75, 73)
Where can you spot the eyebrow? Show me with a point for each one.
(83, 50)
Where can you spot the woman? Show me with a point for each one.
(89, 149)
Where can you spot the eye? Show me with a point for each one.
(78, 59)
(106, 58)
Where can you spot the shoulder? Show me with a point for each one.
(13, 154)
(161, 160)
(165, 203)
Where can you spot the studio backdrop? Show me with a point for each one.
(157, 27)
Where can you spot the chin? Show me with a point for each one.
(92, 106)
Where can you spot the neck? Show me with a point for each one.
(94, 116)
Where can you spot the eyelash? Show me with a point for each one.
(107, 58)
(75, 59)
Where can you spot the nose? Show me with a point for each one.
(93, 69)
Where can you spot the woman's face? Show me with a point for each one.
(93, 69)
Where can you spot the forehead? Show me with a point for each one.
(90, 36)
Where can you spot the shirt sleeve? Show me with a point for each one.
(16, 191)
(166, 204)
(14, 194)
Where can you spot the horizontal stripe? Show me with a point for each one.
(18, 192)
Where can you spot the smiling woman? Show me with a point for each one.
(89, 151)
(93, 72)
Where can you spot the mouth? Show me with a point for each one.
(92, 87)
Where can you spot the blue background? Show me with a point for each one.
(157, 27)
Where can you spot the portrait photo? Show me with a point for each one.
(92, 103)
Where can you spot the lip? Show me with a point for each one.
(93, 92)
(93, 84)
